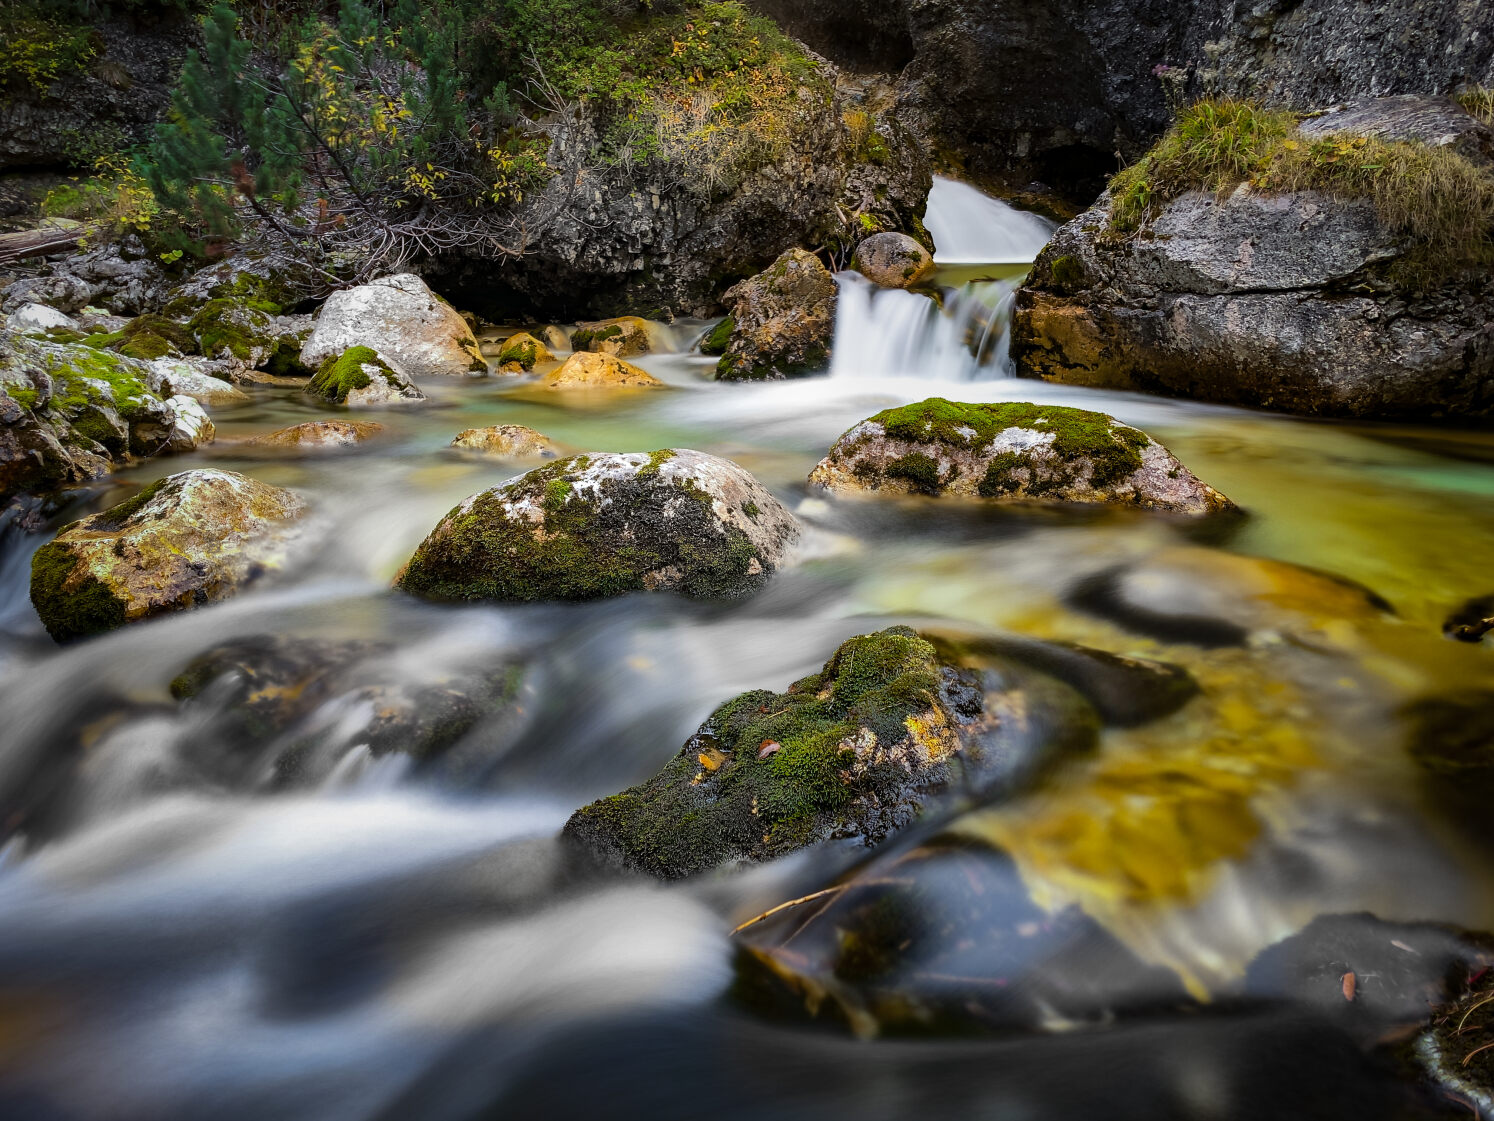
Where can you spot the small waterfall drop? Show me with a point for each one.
(972, 228)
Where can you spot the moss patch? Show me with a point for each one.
(719, 337)
(770, 772)
(337, 377)
(87, 607)
(225, 324)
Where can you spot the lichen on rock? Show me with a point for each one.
(359, 377)
(1012, 452)
(182, 542)
(782, 321)
(593, 526)
(623, 337)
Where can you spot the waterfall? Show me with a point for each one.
(971, 228)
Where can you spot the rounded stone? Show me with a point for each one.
(893, 260)
(622, 337)
(587, 370)
(404, 321)
(522, 352)
(507, 441)
(316, 436)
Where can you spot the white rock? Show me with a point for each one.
(39, 317)
(403, 320)
(184, 376)
(192, 428)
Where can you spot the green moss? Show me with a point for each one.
(751, 510)
(719, 337)
(146, 347)
(115, 517)
(656, 460)
(918, 469)
(26, 398)
(338, 376)
(557, 494)
(88, 607)
(522, 350)
(219, 325)
(586, 336)
(1068, 274)
(690, 817)
(1114, 451)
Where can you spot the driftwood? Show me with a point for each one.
(40, 242)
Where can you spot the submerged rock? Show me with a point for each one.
(1012, 452)
(1451, 738)
(782, 321)
(602, 525)
(361, 378)
(587, 370)
(854, 751)
(892, 260)
(509, 441)
(183, 541)
(400, 318)
(316, 436)
(523, 352)
(623, 337)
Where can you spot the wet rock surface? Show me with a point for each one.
(782, 321)
(602, 525)
(1012, 452)
(893, 260)
(854, 752)
(624, 337)
(507, 441)
(404, 321)
(180, 543)
(522, 352)
(315, 436)
(588, 370)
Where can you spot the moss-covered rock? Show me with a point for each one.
(623, 337)
(403, 320)
(522, 352)
(226, 328)
(715, 341)
(506, 441)
(1012, 452)
(853, 751)
(783, 321)
(589, 370)
(314, 437)
(359, 377)
(603, 525)
(184, 541)
(190, 376)
(893, 260)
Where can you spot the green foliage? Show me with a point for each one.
(1440, 201)
(719, 337)
(36, 49)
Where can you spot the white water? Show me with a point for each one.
(972, 228)
(886, 333)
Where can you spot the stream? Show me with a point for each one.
(183, 938)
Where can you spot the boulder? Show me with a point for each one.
(316, 436)
(184, 541)
(782, 321)
(403, 320)
(190, 427)
(854, 752)
(624, 337)
(506, 441)
(602, 525)
(189, 376)
(39, 319)
(1012, 452)
(228, 328)
(554, 338)
(1434, 121)
(61, 291)
(893, 260)
(361, 378)
(588, 370)
(522, 352)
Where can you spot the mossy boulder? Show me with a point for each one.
(33, 319)
(522, 352)
(506, 441)
(589, 370)
(604, 525)
(314, 437)
(182, 542)
(853, 751)
(893, 260)
(783, 321)
(1012, 452)
(227, 328)
(360, 377)
(623, 337)
(715, 341)
(403, 320)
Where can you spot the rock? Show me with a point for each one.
(316, 436)
(1471, 621)
(588, 370)
(62, 291)
(361, 378)
(854, 751)
(782, 321)
(507, 441)
(1453, 1052)
(603, 525)
(1284, 300)
(150, 337)
(554, 338)
(39, 318)
(1435, 121)
(191, 427)
(1012, 452)
(123, 275)
(403, 320)
(184, 541)
(522, 352)
(894, 947)
(188, 376)
(228, 328)
(624, 337)
(893, 260)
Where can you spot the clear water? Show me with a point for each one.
(181, 944)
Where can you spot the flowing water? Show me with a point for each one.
(182, 937)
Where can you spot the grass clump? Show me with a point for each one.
(1436, 198)
(1478, 100)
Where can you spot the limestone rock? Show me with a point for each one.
(624, 337)
(184, 541)
(783, 321)
(589, 370)
(522, 352)
(190, 428)
(507, 441)
(189, 376)
(1012, 452)
(893, 260)
(593, 526)
(361, 378)
(403, 320)
(316, 436)
(62, 291)
(38, 318)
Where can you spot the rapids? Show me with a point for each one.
(179, 940)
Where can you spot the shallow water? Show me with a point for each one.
(180, 940)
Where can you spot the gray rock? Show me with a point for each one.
(893, 260)
(403, 320)
(39, 318)
(506, 441)
(782, 321)
(63, 291)
(1435, 121)
(191, 376)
